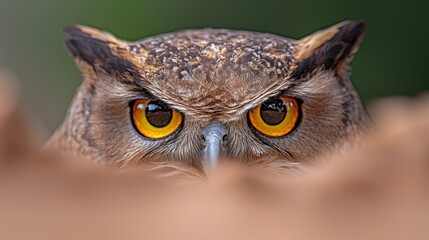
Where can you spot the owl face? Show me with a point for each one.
(198, 97)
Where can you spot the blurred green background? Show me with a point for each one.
(391, 60)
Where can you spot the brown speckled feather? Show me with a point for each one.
(211, 75)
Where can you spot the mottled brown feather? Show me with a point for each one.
(211, 75)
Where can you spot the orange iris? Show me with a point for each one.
(275, 117)
(154, 119)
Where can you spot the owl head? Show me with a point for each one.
(198, 97)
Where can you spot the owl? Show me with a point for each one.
(196, 98)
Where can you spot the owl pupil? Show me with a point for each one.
(273, 111)
(158, 114)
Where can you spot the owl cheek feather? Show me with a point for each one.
(329, 49)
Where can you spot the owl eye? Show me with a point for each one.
(275, 117)
(155, 119)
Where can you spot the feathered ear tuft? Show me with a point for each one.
(331, 48)
(98, 51)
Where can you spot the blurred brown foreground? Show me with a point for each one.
(378, 189)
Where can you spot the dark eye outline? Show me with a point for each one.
(171, 135)
(255, 131)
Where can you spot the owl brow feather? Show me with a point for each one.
(144, 92)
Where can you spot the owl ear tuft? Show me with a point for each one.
(331, 48)
(99, 51)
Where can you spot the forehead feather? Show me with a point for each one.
(185, 54)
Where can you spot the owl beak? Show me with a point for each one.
(213, 136)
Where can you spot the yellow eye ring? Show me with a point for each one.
(154, 119)
(275, 117)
